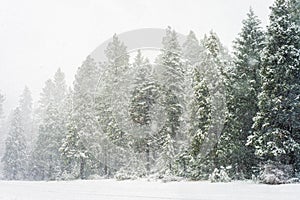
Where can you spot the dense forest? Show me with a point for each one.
(198, 112)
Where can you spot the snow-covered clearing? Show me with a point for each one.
(142, 189)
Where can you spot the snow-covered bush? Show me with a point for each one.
(276, 174)
(164, 176)
(96, 177)
(67, 176)
(125, 175)
(219, 175)
(130, 172)
(166, 179)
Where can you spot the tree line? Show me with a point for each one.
(198, 112)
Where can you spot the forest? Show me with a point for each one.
(198, 112)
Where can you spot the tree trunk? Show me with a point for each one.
(82, 165)
(148, 158)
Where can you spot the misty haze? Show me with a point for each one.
(150, 99)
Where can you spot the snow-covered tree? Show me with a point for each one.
(191, 49)
(60, 87)
(117, 56)
(144, 96)
(199, 128)
(112, 84)
(173, 92)
(81, 142)
(46, 97)
(192, 54)
(47, 157)
(242, 91)
(213, 67)
(277, 124)
(25, 105)
(200, 114)
(208, 107)
(15, 157)
(46, 160)
(112, 103)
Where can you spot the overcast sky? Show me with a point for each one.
(37, 37)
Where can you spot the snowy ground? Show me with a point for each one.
(143, 190)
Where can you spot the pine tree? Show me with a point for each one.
(39, 161)
(208, 108)
(112, 97)
(192, 49)
(173, 87)
(60, 87)
(117, 56)
(46, 97)
(81, 143)
(213, 68)
(27, 114)
(199, 130)
(46, 160)
(193, 54)
(200, 114)
(144, 96)
(15, 157)
(277, 127)
(242, 92)
(111, 94)
(46, 154)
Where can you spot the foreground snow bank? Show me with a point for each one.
(142, 189)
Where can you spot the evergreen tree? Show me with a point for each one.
(111, 95)
(15, 157)
(144, 97)
(173, 87)
(27, 114)
(242, 92)
(81, 143)
(46, 97)
(200, 114)
(39, 160)
(60, 87)
(46, 154)
(117, 56)
(277, 124)
(208, 108)
(192, 49)
(46, 161)
(112, 103)
(213, 68)
(193, 54)
(200, 122)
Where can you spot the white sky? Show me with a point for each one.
(37, 37)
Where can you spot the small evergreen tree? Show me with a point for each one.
(15, 157)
